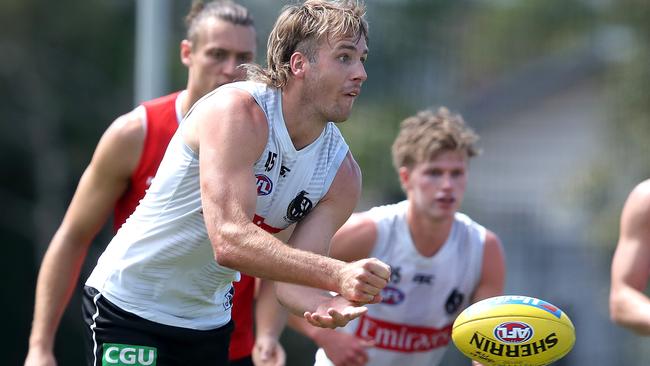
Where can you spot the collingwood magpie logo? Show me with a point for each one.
(454, 301)
(227, 304)
(299, 207)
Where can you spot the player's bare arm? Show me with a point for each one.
(313, 234)
(270, 318)
(233, 133)
(102, 183)
(629, 306)
(353, 241)
(493, 269)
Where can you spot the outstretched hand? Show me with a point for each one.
(362, 281)
(336, 312)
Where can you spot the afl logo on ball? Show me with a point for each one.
(264, 185)
(513, 332)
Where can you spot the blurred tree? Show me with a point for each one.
(66, 69)
(502, 36)
(624, 160)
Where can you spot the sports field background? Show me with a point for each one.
(559, 91)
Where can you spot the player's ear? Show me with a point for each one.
(298, 62)
(404, 174)
(186, 52)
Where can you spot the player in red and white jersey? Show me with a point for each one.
(441, 260)
(220, 37)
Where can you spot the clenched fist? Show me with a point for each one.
(362, 281)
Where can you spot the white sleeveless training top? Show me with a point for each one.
(160, 265)
(412, 324)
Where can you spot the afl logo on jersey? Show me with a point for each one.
(299, 207)
(391, 295)
(264, 185)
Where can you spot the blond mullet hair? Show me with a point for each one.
(300, 28)
(425, 135)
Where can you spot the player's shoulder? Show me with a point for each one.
(361, 221)
(355, 239)
(467, 222)
(118, 151)
(228, 101)
(383, 217)
(642, 191)
(129, 128)
(637, 205)
(164, 100)
(490, 237)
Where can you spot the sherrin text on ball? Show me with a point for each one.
(513, 330)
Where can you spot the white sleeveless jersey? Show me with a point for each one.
(412, 324)
(160, 265)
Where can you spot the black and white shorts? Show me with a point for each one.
(116, 337)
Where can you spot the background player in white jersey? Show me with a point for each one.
(220, 37)
(249, 159)
(629, 305)
(441, 260)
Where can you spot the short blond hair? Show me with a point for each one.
(425, 135)
(300, 28)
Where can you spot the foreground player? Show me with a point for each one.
(629, 305)
(441, 260)
(250, 158)
(220, 37)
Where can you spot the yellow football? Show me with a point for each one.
(513, 331)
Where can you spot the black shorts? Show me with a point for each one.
(117, 337)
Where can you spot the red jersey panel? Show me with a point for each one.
(242, 338)
(162, 123)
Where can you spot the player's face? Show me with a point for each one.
(220, 48)
(334, 80)
(437, 187)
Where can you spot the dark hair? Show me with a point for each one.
(226, 10)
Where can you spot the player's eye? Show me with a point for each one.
(457, 173)
(218, 54)
(243, 58)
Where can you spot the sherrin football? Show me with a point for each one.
(513, 330)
